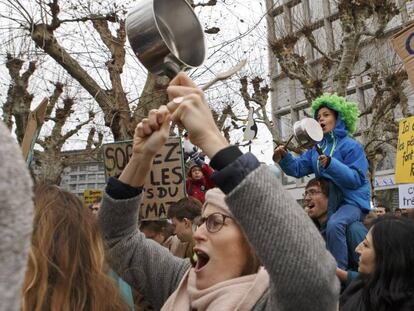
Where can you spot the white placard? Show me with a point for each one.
(406, 195)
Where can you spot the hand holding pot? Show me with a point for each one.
(324, 160)
(189, 107)
(279, 153)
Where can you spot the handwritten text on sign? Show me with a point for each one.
(165, 183)
(404, 162)
(406, 196)
(91, 196)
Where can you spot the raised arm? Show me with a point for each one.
(301, 269)
(143, 263)
(351, 173)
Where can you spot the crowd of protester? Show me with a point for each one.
(239, 241)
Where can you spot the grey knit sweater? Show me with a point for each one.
(302, 272)
(16, 210)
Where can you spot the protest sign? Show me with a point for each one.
(406, 196)
(403, 42)
(404, 160)
(165, 183)
(91, 196)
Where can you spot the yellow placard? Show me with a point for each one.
(404, 161)
(91, 196)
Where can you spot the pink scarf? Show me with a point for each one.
(240, 293)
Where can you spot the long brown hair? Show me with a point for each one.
(66, 267)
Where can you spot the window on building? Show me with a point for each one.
(100, 177)
(82, 177)
(72, 187)
(73, 178)
(82, 186)
(93, 168)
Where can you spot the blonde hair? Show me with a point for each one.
(66, 266)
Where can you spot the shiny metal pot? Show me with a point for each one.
(166, 36)
(308, 132)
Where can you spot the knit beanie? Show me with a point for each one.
(216, 197)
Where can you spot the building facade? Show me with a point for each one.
(88, 174)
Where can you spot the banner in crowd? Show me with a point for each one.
(404, 160)
(406, 195)
(91, 196)
(403, 42)
(166, 181)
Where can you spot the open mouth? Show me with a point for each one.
(310, 206)
(202, 260)
(323, 126)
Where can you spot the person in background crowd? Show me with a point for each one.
(369, 219)
(66, 267)
(386, 280)
(316, 199)
(256, 218)
(381, 211)
(182, 214)
(343, 162)
(397, 212)
(410, 213)
(157, 230)
(199, 179)
(16, 212)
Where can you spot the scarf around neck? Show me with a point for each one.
(240, 293)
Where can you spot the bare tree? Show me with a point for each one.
(51, 161)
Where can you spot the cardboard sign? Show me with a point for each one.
(166, 181)
(34, 124)
(404, 160)
(91, 196)
(406, 195)
(403, 42)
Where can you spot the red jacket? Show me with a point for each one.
(198, 188)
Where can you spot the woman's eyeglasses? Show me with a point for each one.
(214, 222)
(311, 193)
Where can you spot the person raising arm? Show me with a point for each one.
(250, 220)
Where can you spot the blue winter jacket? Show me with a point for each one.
(347, 169)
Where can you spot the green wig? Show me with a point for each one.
(348, 111)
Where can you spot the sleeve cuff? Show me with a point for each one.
(117, 190)
(233, 174)
(224, 157)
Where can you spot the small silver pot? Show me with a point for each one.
(308, 132)
(166, 36)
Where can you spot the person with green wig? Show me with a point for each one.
(343, 162)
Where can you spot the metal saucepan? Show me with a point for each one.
(166, 36)
(307, 133)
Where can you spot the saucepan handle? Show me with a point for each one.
(171, 69)
(318, 149)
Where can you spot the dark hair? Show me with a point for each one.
(158, 226)
(320, 182)
(153, 225)
(189, 208)
(391, 285)
(327, 107)
(192, 167)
